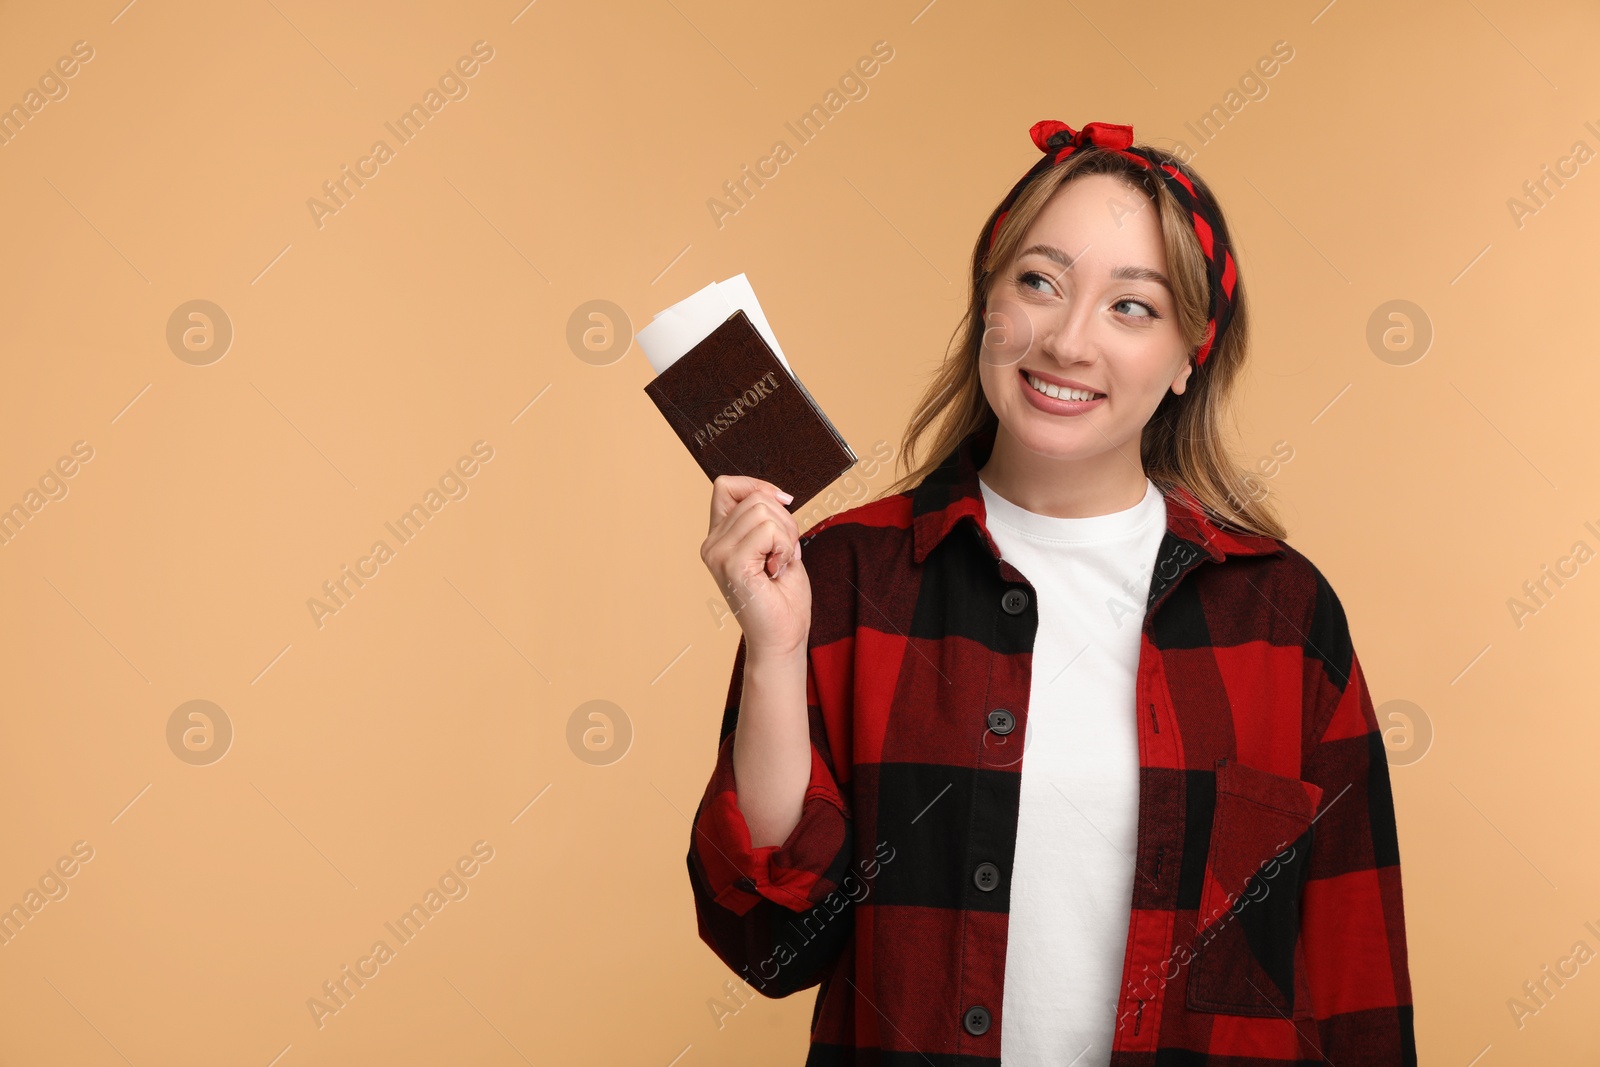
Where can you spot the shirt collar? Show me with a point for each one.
(951, 492)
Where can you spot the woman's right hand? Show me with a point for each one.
(752, 549)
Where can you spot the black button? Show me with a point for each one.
(976, 1020)
(986, 877)
(1015, 602)
(1002, 721)
(747, 884)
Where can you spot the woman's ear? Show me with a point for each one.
(1181, 382)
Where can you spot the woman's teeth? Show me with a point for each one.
(1059, 392)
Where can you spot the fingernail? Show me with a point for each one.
(787, 498)
(779, 572)
(797, 549)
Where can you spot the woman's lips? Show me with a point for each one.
(1053, 406)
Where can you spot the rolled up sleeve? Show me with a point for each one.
(774, 914)
(796, 874)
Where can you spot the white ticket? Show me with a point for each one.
(688, 322)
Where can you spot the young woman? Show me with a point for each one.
(1057, 753)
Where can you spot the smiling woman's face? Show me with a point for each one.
(1084, 305)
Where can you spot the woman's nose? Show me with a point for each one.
(1065, 336)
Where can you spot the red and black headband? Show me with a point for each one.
(1057, 141)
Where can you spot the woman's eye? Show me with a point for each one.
(1149, 312)
(1028, 277)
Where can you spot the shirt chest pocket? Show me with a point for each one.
(1247, 958)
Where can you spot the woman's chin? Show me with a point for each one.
(1061, 439)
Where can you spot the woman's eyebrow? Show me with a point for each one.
(1138, 274)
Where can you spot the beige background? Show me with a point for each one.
(431, 312)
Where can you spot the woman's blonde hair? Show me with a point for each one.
(1183, 441)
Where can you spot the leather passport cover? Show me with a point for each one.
(739, 411)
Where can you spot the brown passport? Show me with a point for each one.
(739, 411)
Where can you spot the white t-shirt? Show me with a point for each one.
(1072, 881)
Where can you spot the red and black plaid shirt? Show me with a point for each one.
(1267, 922)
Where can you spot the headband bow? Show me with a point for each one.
(1056, 140)
(1058, 137)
